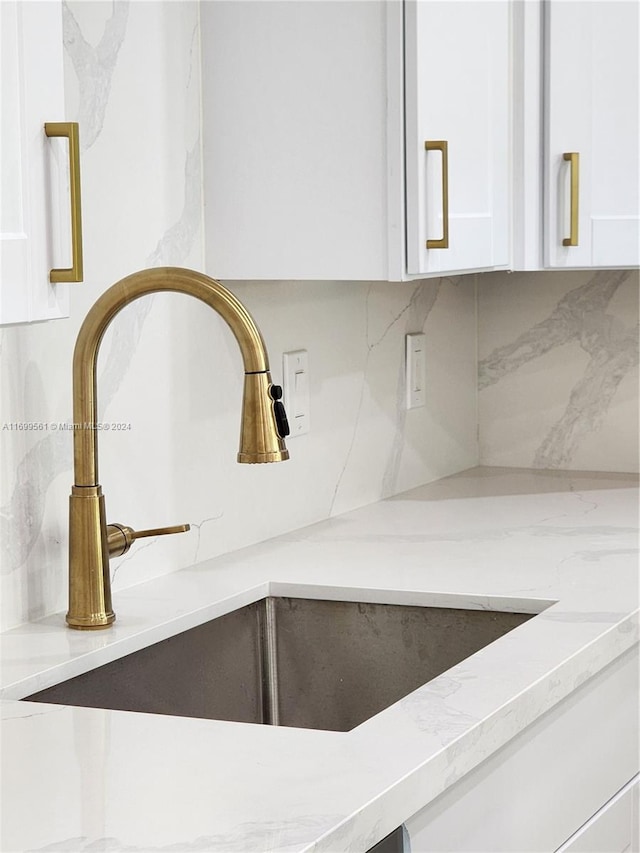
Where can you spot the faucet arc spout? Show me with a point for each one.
(125, 291)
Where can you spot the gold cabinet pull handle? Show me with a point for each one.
(574, 158)
(442, 145)
(69, 129)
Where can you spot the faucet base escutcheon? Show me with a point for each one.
(89, 588)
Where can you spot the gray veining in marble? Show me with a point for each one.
(488, 535)
(25, 508)
(198, 525)
(275, 836)
(26, 714)
(53, 454)
(94, 66)
(425, 709)
(597, 556)
(172, 249)
(612, 346)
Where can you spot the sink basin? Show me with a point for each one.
(288, 661)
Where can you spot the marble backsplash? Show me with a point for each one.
(170, 370)
(558, 370)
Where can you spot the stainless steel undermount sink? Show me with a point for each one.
(302, 662)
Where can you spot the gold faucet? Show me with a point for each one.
(263, 430)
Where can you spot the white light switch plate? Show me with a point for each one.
(416, 368)
(295, 372)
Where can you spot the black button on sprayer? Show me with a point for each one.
(282, 423)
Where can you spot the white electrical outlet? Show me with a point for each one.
(295, 372)
(415, 372)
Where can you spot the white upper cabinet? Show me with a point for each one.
(309, 110)
(294, 139)
(593, 98)
(34, 209)
(457, 66)
(577, 100)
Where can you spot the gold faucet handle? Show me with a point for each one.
(120, 537)
(160, 531)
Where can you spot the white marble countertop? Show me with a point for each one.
(76, 779)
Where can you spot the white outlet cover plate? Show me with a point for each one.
(416, 368)
(295, 372)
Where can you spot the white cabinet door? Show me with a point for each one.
(613, 826)
(31, 221)
(294, 127)
(592, 109)
(305, 116)
(457, 91)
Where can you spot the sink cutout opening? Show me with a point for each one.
(307, 663)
